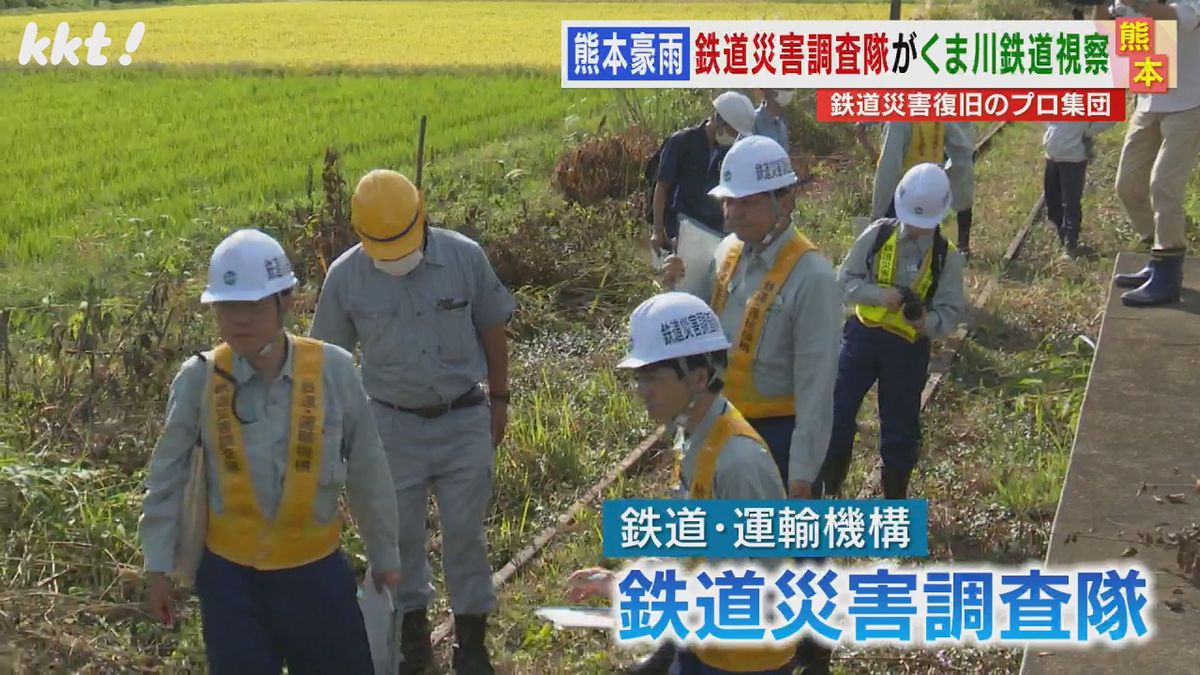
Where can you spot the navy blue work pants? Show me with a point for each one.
(870, 355)
(308, 616)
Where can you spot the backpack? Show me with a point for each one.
(941, 249)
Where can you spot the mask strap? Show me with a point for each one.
(777, 210)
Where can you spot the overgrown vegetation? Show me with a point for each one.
(85, 368)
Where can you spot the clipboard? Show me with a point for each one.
(697, 247)
(599, 618)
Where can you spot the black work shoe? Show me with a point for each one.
(415, 645)
(658, 663)
(470, 652)
(895, 483)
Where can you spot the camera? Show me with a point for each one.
(911, 305)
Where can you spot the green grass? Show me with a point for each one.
(194, 151)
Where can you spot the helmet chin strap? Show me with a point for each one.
(780, 224)
(684, 417)
(266, 349)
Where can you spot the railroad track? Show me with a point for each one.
(638, 456)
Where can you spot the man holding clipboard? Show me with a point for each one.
(781, 307)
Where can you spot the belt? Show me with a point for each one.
(472, 398)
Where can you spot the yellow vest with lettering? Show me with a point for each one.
(878, 316)
(240, 532)
(739, 385)
(737, 659)
(928, 144)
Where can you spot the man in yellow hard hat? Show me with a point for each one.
(430, 315)
(283, 424)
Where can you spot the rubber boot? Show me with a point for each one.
(415, 643)
(895, 483)
(1133, 279)
(658, 663)
(964, 232)
(470, 652)
(1165, 284)
(833, 474)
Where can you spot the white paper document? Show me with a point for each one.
(377, 612)
(697, 246)
(579, 617)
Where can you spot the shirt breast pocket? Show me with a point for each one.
(775, 343)
(454, 327)
(332, 476)
(385, 337)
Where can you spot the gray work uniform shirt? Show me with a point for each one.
(745, 469)
(419, 333)
(859, 287)
(352, 454)
(775, 128)
(958, 140)
(1069, 141)
(798, 350)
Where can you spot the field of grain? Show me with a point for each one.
(157, 153)
(164, 155)
(393, 34)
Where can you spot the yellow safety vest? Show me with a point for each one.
(878, 316)
(239, 532)
(742, 658)
(739, 385)
(928, 144)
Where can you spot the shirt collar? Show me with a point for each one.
(771, 252)
(434, 255)
(243, 372)
(922, 243)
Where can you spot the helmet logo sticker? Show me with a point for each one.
(276, 267)
(230, 278)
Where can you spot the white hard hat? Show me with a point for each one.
(737, 109)
(672, 325)
(754, 164)
(923, 196)
(247, 266)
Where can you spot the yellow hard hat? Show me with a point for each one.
(388, 214)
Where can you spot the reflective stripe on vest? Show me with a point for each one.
(739, 659)
(739, 385)
(240, 532)
(878, 316)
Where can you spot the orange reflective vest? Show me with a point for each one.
(741, 658)
(739, 385)
(240, 532)
(878, 316)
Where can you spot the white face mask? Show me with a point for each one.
(783, 97)
(401, 266)
(725, 139)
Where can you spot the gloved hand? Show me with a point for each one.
(1089, 148)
